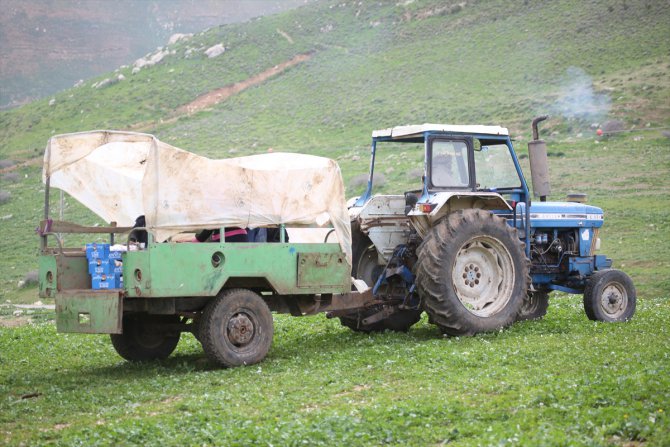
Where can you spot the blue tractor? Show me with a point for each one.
(468, 246)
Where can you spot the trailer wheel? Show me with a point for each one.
(146, 337)
(609, 296)
(236, 328)
(472, 273)
(534, 306)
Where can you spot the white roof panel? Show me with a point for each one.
(416, 130)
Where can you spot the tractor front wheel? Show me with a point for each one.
(472, 273)
(609, 296)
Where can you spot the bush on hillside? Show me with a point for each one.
(6, 164)
(613, 126)
(31, 278)
(362, 179)
(5, 196)
(11, 177)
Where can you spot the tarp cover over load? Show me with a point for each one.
(122, 175)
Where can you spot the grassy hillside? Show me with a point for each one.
(378, 64)
(374, 65)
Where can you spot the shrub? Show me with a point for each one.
(6, 163)
(415, 173)
(11, 177)
(5, 196)
(31, 278)
(362, 179)
(358, 180)
(613, 126)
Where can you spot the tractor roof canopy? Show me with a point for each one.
(417, 131)
(122, 175)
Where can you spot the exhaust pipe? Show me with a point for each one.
(539, 165)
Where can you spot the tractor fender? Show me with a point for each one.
(448, 201)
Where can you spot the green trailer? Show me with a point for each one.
(220, 291)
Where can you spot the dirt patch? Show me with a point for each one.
(214, 97)
(32, 162)
(14, 322)
(355, 389)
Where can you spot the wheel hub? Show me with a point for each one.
(471, 275)
(614, 299)
(240, 329)
(483, 275)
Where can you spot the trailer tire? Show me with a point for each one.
(610, 296)
(146, 337)
(236, 328)
(472, 273)
(534, 306)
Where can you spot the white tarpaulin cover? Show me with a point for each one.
(122, 175)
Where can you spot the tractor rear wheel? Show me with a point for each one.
(534, 306)
(366, 267)
(472, 273)
(609, 296)
(236, 328)
(146, 337)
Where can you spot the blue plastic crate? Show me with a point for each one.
(116, 267)
(99, 266)
(96, 250)
(104, 281)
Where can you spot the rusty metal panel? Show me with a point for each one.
(47, 276)
(89, 311)
(73, 272)
(322, 269)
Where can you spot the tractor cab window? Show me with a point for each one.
(494, 167)
(449, 164)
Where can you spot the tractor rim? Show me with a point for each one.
(483, 276)
(614, 299)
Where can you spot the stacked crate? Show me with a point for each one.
(104, 266)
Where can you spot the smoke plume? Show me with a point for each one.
(578, 100)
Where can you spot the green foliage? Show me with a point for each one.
(560, 381)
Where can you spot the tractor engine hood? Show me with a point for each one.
(562, 214)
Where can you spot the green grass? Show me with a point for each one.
(560, 381)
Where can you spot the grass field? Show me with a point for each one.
(561, 381)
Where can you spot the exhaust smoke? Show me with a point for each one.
(578, 100)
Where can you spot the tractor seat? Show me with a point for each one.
(411, 197)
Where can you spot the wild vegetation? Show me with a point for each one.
(560, 381)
